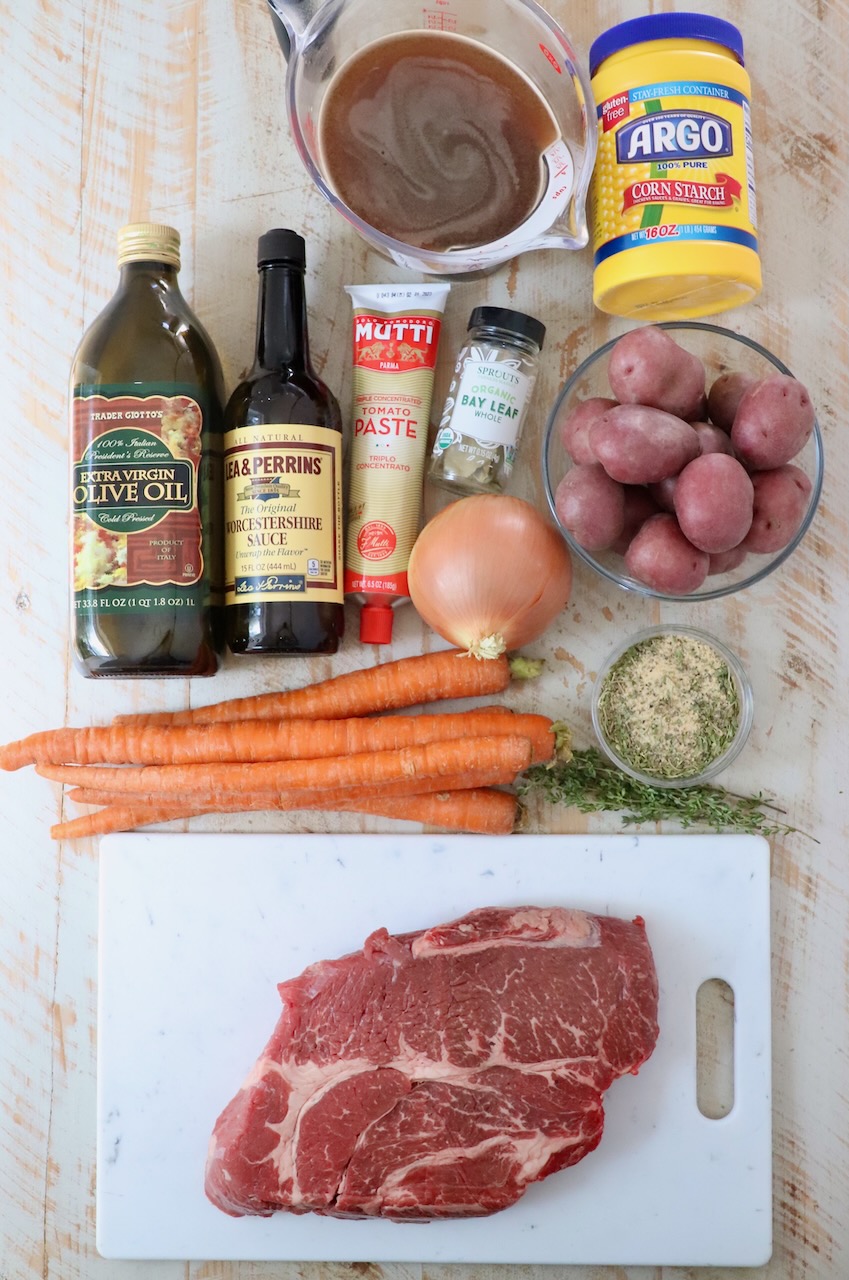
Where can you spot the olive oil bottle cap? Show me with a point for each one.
(148, 242)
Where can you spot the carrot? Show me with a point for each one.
(224, 797)
(478, 810)
(259, 740)
(115, 817)
(374, 768)
(403, 683)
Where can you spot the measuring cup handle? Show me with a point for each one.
(290, 19)
(281, 32)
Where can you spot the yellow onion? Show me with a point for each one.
(488, 574)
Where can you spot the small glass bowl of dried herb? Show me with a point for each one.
(672, 706)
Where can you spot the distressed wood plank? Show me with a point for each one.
(40, 101)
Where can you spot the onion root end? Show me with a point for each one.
(487, 647)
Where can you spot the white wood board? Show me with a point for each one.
(196, 931)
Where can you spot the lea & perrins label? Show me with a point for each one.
(283, 514)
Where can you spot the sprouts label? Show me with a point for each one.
(136, 521)
(489, 402)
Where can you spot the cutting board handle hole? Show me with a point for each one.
(715, 1048)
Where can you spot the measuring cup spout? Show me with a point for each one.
(291, 18)
(570, 231)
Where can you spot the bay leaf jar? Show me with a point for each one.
(487, 402)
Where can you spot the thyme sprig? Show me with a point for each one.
(589, 783)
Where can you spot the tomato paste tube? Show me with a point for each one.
(396, 334)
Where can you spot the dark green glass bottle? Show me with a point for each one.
(283, 478)
(146, 406)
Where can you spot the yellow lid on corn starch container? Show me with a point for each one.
(673, 193)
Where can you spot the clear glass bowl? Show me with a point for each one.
(721, 351)
(744, 697)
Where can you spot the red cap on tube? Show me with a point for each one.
(376, 624)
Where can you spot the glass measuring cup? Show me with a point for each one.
(318, 38)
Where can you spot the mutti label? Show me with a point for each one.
(396, 344)
(376, 540)
(376, 584)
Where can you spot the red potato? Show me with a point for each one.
(648, 367)
(663, 493)
(639, 445)
(714, 499)
(725, 561)
(575, 430)
(781, 498)
(639, 505)
(662, 558)
(725, 395)
(712, 439)
(773, 423)
(591, 506)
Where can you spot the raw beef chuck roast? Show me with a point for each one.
(437, 1074)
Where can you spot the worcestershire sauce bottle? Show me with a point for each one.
(283, 478)
(146, 409)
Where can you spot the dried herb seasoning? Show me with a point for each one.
(669, 706)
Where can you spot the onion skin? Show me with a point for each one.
(489, 573)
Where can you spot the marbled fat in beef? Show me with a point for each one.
(437, 1074)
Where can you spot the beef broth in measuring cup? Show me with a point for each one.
(435, 140)
(466, 127)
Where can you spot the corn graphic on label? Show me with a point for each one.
(673, 198)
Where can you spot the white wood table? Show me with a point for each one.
(112, 110)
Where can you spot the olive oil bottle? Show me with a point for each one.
(146, 405)
(283, 550)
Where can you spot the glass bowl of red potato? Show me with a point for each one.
(683, 461)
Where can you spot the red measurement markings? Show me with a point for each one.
(438, 19)
(552, 59)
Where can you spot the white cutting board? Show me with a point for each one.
(197, 930)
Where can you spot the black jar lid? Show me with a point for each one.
(513, 321)
(281, 245)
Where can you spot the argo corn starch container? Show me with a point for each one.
(396, 330)
(673, 194)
